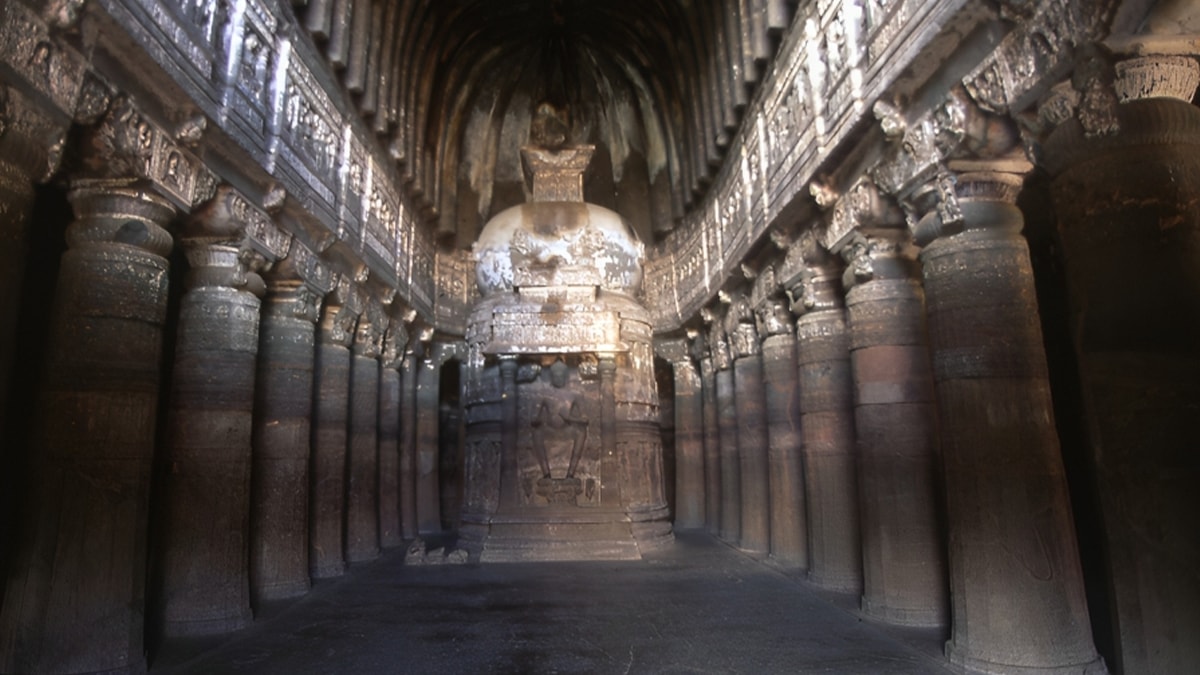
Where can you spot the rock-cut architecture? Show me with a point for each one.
(901, 297)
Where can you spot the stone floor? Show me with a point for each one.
(700, 607)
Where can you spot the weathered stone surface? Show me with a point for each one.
(689, 447)
(1128, 220)
(408, 446)
(331, 405)
(752, 447)
(428, 502)
(827, 414)
(282, 430)
(979, 284)
(731, 482)
(94, 439)
(789, 518)
(390, 531)
(904, 568)
(362, 460)
(712, 448)
(206, 529)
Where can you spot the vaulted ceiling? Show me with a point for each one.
(449, 86)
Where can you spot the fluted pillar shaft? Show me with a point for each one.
(712, 448)
(362, 460)
(390, 531)
(331, 405)
(205, 534)
(282, 426)
(93, 443)
(689, 447)
(904, 571)
(1129, 224)
(429, 507)
(827, 421)
(1009, 514)
(408, 446)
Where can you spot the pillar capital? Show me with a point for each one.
(676, 350)
(300, 281)
(31, 142)
(395, 339)
(811, 276)
(772, 316)
(126, 143)
(718, 341)
(368, 335)
(740, 326)
(119, 212)
(884, 253)
(339, 317)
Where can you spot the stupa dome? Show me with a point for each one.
(558, 243)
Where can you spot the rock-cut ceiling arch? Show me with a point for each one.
(449, 87)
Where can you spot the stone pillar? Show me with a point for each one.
(429, 506)
(689, 436)
(408, 445)
(509, 429)
(1126, 190)
(1009, 514)
(362, 450)
(93, 442)
(904, 569)
(789, 518)
(16, 202)
(813, 279)
(751, 409)
(282, 426)
(730, 528)
(331, 389)
(206, 488)
(712, 445)
(390, 530)
(31, 137)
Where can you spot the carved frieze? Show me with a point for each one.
(47, 66)
(127, 144)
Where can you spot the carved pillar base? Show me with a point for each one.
(1009, 515)
(904, 573)
(331, 387)
(390, 534)
(755, 533)
(362, 461)
(731, 475)
(207, 487)
(827, 421)
(282, 410)
(93, 443)
(1128, 207)
(789, 519)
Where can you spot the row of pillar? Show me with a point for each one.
(289, 448)
(928, 455)
(909, 441)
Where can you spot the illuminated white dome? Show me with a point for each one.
(558, 244)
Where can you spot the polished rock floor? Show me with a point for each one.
(700, 607)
